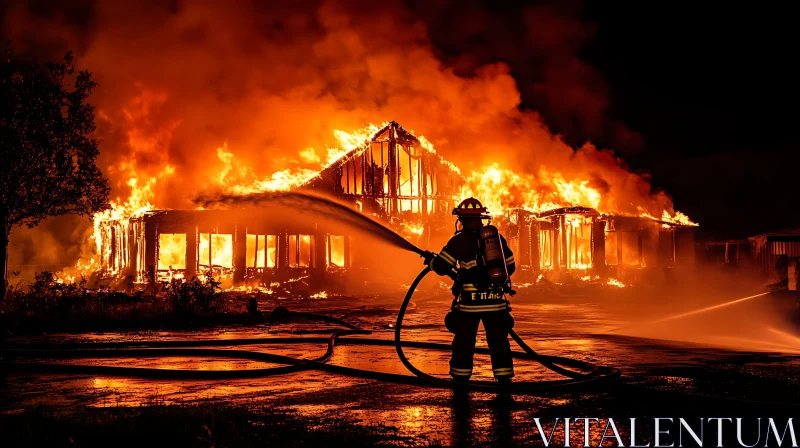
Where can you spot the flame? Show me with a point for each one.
(251, 289)
(318, 75)
(336, 250)
(238, 179)
(82, 269)
(235, 178)
(120, 213)
(280, 181)
(294, 280)
(172, 251)
(349, 141)
(498, 187)
(309, 155)
(428, 146)
(320, 295)
(676, 218)
(261, 249)
(501, 189)
(146, 141)
(615, 282)
(414, 228)
(221, 251)
(578, 230)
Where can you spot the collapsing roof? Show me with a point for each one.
(391, 173)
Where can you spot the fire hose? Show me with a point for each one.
(591, 373)
(10, 354)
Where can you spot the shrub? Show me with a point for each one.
(194, 295)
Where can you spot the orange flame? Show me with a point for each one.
(615, 282)
(499, 188)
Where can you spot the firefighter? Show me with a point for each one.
(482, 263)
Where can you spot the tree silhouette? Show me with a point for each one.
(48, 159)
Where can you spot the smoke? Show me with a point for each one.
(543, 45)
(177, 81)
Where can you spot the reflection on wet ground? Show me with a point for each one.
(571, 327)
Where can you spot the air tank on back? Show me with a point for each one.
(493, 255)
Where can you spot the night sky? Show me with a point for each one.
(711, 90)
(714, 92)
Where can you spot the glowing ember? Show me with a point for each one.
(615, 282)
(413, 228)
(294, 280)
(252, 289)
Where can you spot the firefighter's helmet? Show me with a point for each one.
(471, 208)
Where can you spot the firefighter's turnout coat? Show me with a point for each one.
(475, 302)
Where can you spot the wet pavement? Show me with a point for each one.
(711, 365)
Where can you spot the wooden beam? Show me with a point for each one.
(191, 252)
(239, 253)
(151, 248)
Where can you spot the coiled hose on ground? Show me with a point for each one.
(13, 355)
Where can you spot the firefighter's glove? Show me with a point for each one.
(427, 257)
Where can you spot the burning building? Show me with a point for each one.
(181, 110)
(583, 240)
(392, 176)
(401, 180)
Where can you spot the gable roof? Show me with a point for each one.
(791, 231)
(391, 131)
